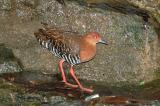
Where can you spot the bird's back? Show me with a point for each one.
(61, 43)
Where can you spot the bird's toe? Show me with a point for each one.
(70, 85)
(87, 90)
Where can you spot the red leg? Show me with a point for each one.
(62, 71)
(79, 84)
(63, 75)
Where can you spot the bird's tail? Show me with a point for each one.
(40, 34)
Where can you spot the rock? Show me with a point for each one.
(29, 3)
(10, 67)
(6, 54)
(146, 8)
(32, 90)
(8, 63)
(132, 55)
(61, 101)
(5, 5)
(57, 99)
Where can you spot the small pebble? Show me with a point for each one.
(92, 97)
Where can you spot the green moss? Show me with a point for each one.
(157, 74)
(6, 54)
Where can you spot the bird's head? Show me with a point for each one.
(94, 38)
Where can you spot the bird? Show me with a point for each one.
(70, 47)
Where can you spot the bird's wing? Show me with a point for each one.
(57, 41)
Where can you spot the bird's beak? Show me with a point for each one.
(103, 42)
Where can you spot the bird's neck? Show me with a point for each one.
(88, 50)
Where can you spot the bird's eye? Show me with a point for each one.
(95, 36)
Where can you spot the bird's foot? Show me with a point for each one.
(86, 90)
(70, 85)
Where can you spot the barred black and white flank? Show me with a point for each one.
(62, 44)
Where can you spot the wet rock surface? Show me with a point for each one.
(125, 72)
(22, 89)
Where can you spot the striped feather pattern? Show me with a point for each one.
(61, 44)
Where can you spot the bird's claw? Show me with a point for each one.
(86, 90)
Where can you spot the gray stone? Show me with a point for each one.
(57, 99)
(10, 67)
(61, 101)
(5, 4)
(131, 56)
(8, 63)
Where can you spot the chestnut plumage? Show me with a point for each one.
(69, 47)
